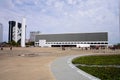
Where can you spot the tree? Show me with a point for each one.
(13, 43)
(117, 46)
(30, 43)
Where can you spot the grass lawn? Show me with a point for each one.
(104, 73)
(98, 60)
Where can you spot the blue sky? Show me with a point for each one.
(63, 16)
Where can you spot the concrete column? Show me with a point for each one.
(16, 31)
(23, 33)
(1, 33)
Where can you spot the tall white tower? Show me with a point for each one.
(1, 33)
(23, 33)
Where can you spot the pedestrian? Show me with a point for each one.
(10, 47)
(1, 48)
(63, 48)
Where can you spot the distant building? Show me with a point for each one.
(1, 33)
(33, 34)
(72, 39)
(16, 30)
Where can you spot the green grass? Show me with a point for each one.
(104, 73)
(98, 60)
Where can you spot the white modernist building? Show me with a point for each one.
(17, 32)
(72, 39)
(1, 33)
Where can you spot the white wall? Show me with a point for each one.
(42, 43)
(83, 45)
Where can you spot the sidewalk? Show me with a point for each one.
(63, 70)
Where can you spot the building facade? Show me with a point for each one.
(1, 33)
(33, 34)
(17, 32)
(71, 39)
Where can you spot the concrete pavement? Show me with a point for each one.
(63, 69)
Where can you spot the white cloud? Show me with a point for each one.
(8, 4)
(50, 2)
(57, 16)
(19, 2)
(59, 5)
(72, 2)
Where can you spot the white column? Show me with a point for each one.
(1, 33)
(23, 33)
(16, 31)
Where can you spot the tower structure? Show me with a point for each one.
(17, 32)
(1, 33)
(14, 31)
(23, 33)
